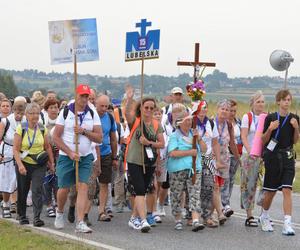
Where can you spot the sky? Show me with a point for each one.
(238, 35)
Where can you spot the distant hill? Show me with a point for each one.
(217, 83)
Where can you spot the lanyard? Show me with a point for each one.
(280, 127)
(33, 137)
(202, 125)
(220, 134)
(81, 117)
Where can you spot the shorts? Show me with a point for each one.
(65, 170)
(219, 181)
(139, 183)
(166, 184)
(106, 169)
(279, 171)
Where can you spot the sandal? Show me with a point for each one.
(38, 222)
(211, 223)
(251, 222)
(6, 213)
(23, 220)
(222, 219)
(110, 213)
(13, 208)
(178, 226)
(104, 217)
(51, 212)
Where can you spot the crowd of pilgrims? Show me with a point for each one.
(144, 167)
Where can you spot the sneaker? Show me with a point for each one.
(228, 211)
(196, 226)
(157, 218)
(151, 220)
(178, 226)
(134, 223)
(71, 214)
(145, 227)
(161, 210)
(287, 229)
(270, 219)
(86, 220)
(81, 227)
(266, 225)
(59, 220)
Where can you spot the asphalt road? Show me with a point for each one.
(233, 235)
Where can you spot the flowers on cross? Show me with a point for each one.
(196, 90)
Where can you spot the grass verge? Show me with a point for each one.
(16, 237)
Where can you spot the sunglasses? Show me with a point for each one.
(148, 108)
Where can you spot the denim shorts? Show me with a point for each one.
(65, 170)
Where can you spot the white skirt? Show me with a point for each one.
(8, 180)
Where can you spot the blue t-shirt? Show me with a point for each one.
(107, 127)
(178, 142)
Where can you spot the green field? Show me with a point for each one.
(23, 238)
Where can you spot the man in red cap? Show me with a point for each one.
(88, 130)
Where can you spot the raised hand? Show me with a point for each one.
(294, 123)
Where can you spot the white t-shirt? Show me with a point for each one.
(168, 130)
(122, 132)
(208, 135)
(85, 145)
(252, 130)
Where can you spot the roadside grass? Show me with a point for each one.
(16, 237)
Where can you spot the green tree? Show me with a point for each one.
(7, 85)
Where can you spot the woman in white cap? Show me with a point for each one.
(180, 167)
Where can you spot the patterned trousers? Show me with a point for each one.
(207, 190)
(226, 190)
(179, 182)
(249, 177)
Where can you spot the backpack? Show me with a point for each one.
(137, 123)
(118, 115)
(7, 124)
(42, 117)
(66, 111)
(250, 118)
(112, 121)
(167, 109)
(212, 124)
(40, 125)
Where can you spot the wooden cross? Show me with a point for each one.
(196, 62)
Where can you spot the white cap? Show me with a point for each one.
(176, 90)
(20, 99)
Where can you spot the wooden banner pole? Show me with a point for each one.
(142, 111)
(76, 120)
